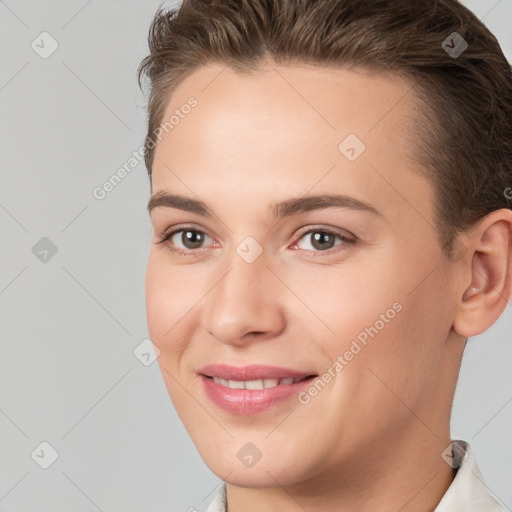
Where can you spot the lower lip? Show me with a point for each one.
(251, 401)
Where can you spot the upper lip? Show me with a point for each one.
(251, 372)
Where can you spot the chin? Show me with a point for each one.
(253, 478)
(269, 471)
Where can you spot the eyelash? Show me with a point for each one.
(165, 237)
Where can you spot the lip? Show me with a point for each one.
(251, 401)
(251, 372)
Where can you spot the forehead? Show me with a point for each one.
(291, 128)
(314, 99)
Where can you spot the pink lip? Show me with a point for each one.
(250, 401)
(251, 372)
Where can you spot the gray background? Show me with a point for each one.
(68, 326)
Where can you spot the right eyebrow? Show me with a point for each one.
(187, 204)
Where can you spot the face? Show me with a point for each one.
(302, 247)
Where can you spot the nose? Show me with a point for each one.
(246, 303)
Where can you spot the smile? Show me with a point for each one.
(257, 384)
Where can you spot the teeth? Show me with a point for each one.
(269, 383)
(256, 384)
(235, 384)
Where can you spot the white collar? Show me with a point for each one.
(467, 492)
(219, 502)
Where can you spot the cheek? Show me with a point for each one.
(345, 303)
(378, 318)
(155, 299)
(167, 317)
(405, 355)
(168, 306)
(170, 292)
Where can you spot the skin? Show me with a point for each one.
(372, 438)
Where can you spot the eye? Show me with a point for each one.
(187, 240)
(321, 240)
(184, 240)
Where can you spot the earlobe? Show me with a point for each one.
(490, 287)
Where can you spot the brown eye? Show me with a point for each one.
(184, 239)
(321, 240)
(191, 238)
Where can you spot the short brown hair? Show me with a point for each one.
(465, 145)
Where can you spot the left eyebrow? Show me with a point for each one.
(309, 203)
(280, 209)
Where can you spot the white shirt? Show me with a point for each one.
(467, 492)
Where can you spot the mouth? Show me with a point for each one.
(259, 375)
(253, 389)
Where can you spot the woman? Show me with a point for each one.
(320, 254)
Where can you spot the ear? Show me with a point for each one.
(489, 272)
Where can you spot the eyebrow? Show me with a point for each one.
(280, 209)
